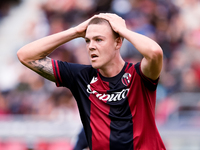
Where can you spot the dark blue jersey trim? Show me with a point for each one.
(149, 83)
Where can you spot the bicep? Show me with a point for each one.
(43, 67)
(151, 68)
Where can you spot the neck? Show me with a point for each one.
(113, 68)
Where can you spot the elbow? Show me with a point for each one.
(157, 52)
(21, 57)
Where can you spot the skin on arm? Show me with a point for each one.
(43, 67)
(151, 64)
(34, 55)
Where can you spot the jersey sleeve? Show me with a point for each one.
(149, 83)
(66, 73)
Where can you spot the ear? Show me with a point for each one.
(118, 42)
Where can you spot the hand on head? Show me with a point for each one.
(81, 28)
(117, 23)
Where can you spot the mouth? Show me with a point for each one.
(94, 56)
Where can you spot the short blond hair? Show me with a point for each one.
(98, 20)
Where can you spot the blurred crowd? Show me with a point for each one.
(173, 24)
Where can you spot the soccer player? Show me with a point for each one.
(116, 99)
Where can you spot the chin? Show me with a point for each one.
(96, 66)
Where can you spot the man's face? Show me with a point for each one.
(100, 44)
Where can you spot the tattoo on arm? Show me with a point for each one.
(43, 67)
(44, 55)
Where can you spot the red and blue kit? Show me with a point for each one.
(118, 113)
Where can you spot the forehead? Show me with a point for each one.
(98, 29)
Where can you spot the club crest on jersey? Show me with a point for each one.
(126, 79)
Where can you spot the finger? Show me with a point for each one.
(104, 16)
(94, 17)
(101, 14)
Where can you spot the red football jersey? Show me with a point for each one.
(117, 113)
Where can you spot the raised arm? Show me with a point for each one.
(151, 64)
(34, 55)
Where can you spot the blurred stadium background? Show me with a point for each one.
(35, 115)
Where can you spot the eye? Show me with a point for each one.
(98, 40)
(87, 40)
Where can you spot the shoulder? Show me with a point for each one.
(69, 74)
(149, 83)
(71, 67)
(76, 70)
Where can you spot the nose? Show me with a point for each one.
(91, 46)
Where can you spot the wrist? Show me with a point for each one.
(68, 35)
(78, 33)
(123, 31)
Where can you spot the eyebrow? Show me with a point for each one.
(97, 36)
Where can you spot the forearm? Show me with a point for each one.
(151, 64)
(33, 55)
(43, 47)
(146, 46)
